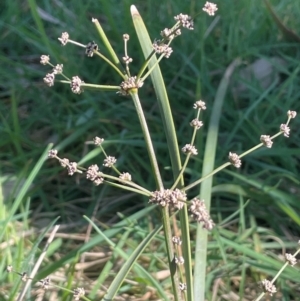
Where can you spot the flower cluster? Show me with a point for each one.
(269, 287)
(94, 175)
(200, 105)
(235, 160)
(91, 48)
(185, 20)
(76, 85)
(71, 166)
(210, 8)
(162, 48)
(168, 197)
(125, 177)
(129, 84)
(109, 161)
(78, 293)
(169, 34)
(190, 149)
(200, 213)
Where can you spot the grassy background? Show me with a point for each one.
(33, 115)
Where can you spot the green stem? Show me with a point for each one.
(159, 183)
(151, 153)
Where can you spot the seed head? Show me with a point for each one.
(91, 47)
(71, 168)
(210, 8)
(126, 37)
(182, 286)
(45, 59)
(129, 84)
(125, 176)
(49, 79)
(9, 268)
(266, 140)
(167, 33)
(58, 69)
(285, 129)
(52, 153)
(76, 85)
(45, 283)
(185, 20)
(235, 160)
(98, 141)
(269, 287)
(290, 259)
(197, 124)
(168, 197)
(64, 38)
(94, 175)
(78, 293)
(291, 114)
(190, 149)
(176, 240)
(200, 214)
(199, 104)
(179, 260)
(109, 161)
(162, 48)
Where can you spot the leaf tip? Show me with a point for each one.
(133, 10)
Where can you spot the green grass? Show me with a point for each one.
(33, 115)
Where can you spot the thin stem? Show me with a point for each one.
(96, 87)
(188, 156)
(151, 153)
(227, 164)
(111, 64)
(159, 183)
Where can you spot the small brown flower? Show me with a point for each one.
(76, 85)
(290, 259)
(126, 37)
(291, 114)
(185, 20)
(109, 161)
(78, 293)
(200, 213)
(168, 197)
(49, 79)
(197, 124)
(71, 168)
(125, 177)
(98, 141)
(45, 59)
(168, 34)
(190, 149)
(45, 283)
(9, 268)
(199, 104)
(182, 286)
(235, 160)
(90, 48)
(129, 84)
(285, 129)
(210, 8)
(176, 240)
(64, 38)
(162, 48)
(269, 287)
(266, 140)
(179, 260)
(52, 153)
(58, 69)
